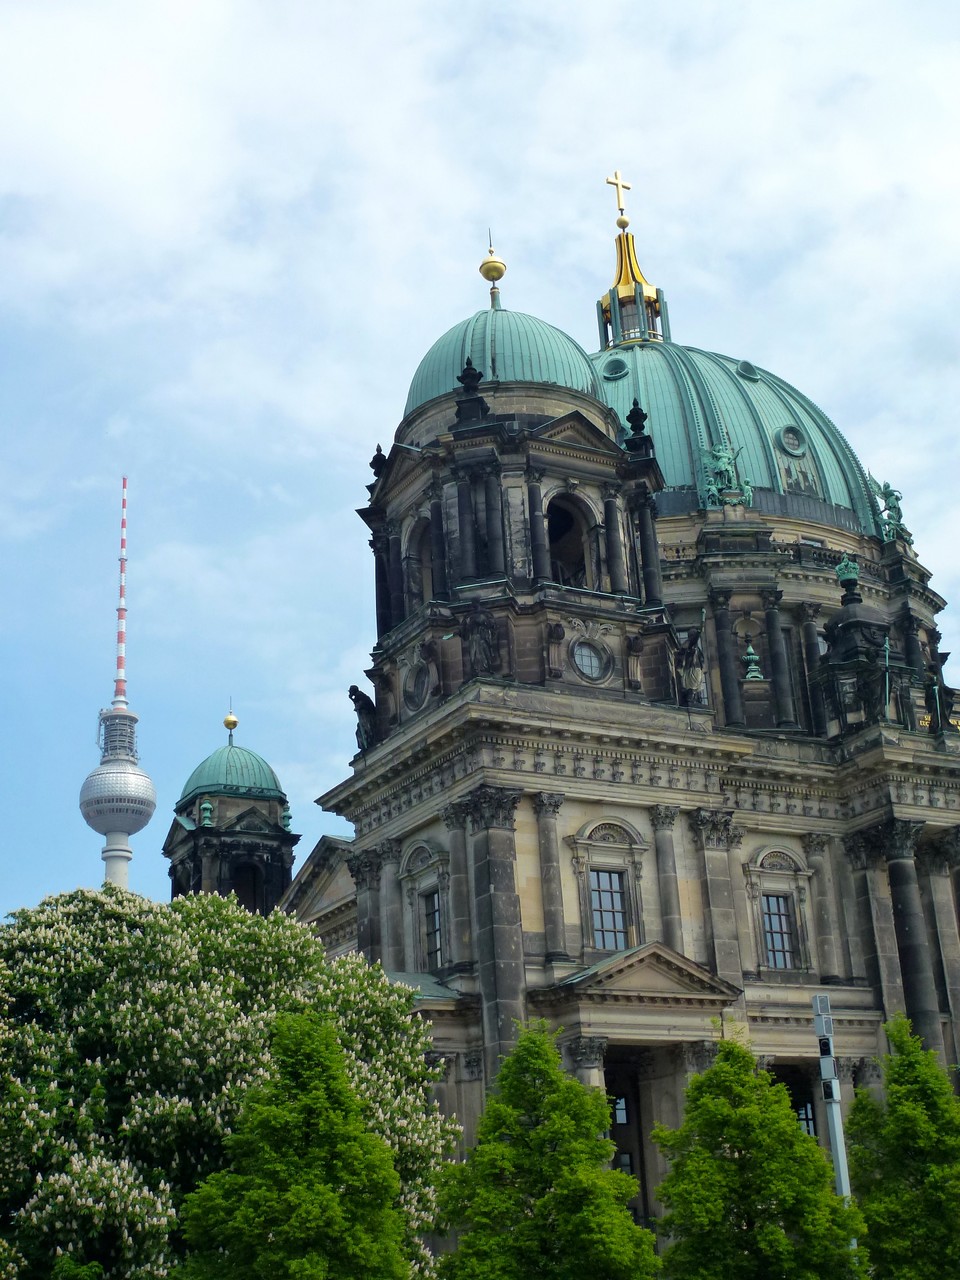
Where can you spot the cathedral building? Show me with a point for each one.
(656, 739)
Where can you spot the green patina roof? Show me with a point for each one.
(506, 346)
(231, 771)
(695, 399)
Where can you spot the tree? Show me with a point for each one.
(309, 1191)
(130, 1034)
(749, 1195)
(905, 1163)
(536, 1196)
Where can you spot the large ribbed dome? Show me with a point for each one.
(232, 771)
(696, 399)
(507, 346)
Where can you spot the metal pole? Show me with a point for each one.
(830, 1084)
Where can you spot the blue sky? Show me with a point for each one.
(230, 228)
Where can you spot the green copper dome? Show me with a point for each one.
(232, 771)
(788, 450)
(506, 346)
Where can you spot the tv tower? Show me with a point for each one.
(118, 798)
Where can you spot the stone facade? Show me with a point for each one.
(586, 801)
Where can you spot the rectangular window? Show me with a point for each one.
(620, 1111)
(608, 903)
(433, 950)
(805, 1116)
(778, 933)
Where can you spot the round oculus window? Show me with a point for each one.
(614, 368)
(588, 659)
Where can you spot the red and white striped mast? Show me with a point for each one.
(118, 798)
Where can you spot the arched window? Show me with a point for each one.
(419, 566)
(247, 881)
(777, 885)
(607, 863)
(425, 876)
(568, 533)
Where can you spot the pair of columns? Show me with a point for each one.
(894, 926)
(729, 661)
(467, 478)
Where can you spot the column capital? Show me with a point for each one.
(664, 816)
(719, 599)
(491, 807)
(387, 851)
(861, 850)
(897, 838)
(696, 1055)
(809, 612)
(535, 475)
(455, 815)
(611, 490)
(548, 802)
(771, 597)
(587, 1051)
(815, 844)
(715, 829)
(365, 869)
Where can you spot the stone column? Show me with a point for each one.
(716, 835)
(646, 509)
(911, 643)
(611, 522)
(875, 917)
(727, 657)
(365, 870)
(936, 861)
(391, 907)
(663, 817)
(395, 575)
(438, 549)
(786, 715)
(815, 846)
(378, 545)
(897, 841)
(461, 930)
(466, 527)
(539, 546)
(499, 939)
(546, 805)
(493, 501)
(586, 1057)
(811, 654)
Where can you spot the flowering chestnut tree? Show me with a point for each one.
(130, 1032)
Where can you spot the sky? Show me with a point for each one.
(229, 230)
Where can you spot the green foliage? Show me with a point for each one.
(309, 1191)
(535, 1197)
(67, 1268)
(749, 1195)
(905, 1164)
(130, 1034)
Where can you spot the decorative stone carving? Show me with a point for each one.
(387, 851)
(861, 851)
(473, 1064)
(715, 829)
(897, 838)
(491, 807)
(587, 1051)
(548, 802)
(696, 1055)
(365, 869)
(437, 1060)
(815, 844)
(555, 638)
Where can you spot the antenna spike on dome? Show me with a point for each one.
(230, 722)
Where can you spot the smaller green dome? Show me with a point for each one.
(232, 771)
(507, 346)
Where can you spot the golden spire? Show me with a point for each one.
(493, 269)
(630, 285)
(230, 722)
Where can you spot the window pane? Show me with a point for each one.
(431, 929)
(778, 931)
(608, 905)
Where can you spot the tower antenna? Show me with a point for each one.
(118, 798)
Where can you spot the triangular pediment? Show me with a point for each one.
(252, 821)
(650, 972)
(577, 431)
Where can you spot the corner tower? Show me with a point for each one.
(231, 830)
(118, 798)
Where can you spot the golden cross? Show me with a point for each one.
(618, 182)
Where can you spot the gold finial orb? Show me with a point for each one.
(230, 722)
(493, 268)
(623, 222)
